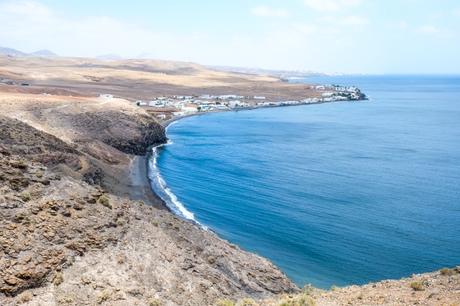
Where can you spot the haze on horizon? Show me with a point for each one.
(343, 36)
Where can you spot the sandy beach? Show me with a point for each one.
(139, 188)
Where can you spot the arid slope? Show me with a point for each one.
(77, 229)
(71, 234)
(136, 79)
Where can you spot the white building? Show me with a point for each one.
(189, 108)
(234, 103)
(156, 103)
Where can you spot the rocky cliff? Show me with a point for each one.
(72, 235)
(73, 232)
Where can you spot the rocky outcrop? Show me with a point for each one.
(129, 133)
(66, 241)
(21, 139)
(46, 221)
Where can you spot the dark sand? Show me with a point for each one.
(139, 188)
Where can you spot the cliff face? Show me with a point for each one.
(128, 133)
(71, 234)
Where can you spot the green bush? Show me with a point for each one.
(154, 302)
(417, 286)
(298, 300)
(58, 279)
(104, 201)
(247, 302)
(447, 271)
(25, 196)
(225, 303)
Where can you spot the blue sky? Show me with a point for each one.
(344, 36)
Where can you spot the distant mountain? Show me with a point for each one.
(284, 74)
(43, 53)
(11, 52)
(109, 57)
(17, 53)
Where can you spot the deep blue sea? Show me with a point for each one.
(334, 194)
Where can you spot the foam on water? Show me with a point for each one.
(159, 185)
(339, 193)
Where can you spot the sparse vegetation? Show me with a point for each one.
(448, 272)
(308, 289)
(225, 302)
(58, 279)
(247, 302)
(66, 300)
(297, 300)
(211, 260)
(154, 302)
(25, 196)
(103, 296)
(104, 201)
(417, 286)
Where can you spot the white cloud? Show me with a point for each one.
(331, 5)
(429, 29)
(26, 8)
(330, 41)
(402, 25)
(354, 20)
(306, 28)
(30, 25)
(266, 11)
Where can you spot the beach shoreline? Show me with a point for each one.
(140, 180)
(140, 188)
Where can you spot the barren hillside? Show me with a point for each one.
(134, 79)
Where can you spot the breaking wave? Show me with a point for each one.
(160, 187)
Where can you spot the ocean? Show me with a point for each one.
(333, 194)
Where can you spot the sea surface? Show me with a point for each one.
(334, 194)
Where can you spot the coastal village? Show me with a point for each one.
(167, 107)
(80, 224)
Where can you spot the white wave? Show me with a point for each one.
(159, 185)
(171, 124)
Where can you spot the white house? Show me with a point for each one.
(189, 108)
(234, 103)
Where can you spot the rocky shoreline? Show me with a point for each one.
(79, 228)
(80, 225)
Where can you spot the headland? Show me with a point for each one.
(79, 224)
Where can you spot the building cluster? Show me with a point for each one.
(331, 93)
(204, 103)
(184, 105)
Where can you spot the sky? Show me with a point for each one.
(332, 36)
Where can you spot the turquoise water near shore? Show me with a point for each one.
(339, 193)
